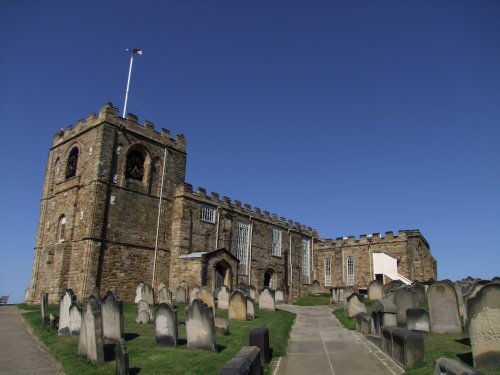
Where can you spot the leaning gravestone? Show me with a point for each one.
(484, 327)
(206, 296)
(66, 301)
(314, 288)
(252, 291)
(223, 298)
(279, 297)
(250, 308)
(144, 292)
(166, 331)
(180, 295)
(121, 358)
(44, 305)
(266, 300)
(164, 295)
(200, 326)
(355, 305)
(417, 320)
(75, 319)
(91, 340)
(237, 306)
(404, 299)
(194, 293)
(143, 313)
(375, 290)
(443, 308)
(112, 317)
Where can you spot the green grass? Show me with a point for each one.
(148, 358)
(349, 323)
(322, 299)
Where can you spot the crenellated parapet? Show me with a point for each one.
(374, 238)
(110, 115)
(214, 200)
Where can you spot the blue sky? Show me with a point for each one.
(350, 117)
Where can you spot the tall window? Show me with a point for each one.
(328, 272)
(62, 228)
(134, 168)
(350, 270)
(72, 163)
(242, 246)
(305, 260)
(276, 242)
(207, 214)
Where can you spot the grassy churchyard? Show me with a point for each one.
(148, 358)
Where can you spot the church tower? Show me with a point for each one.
(100, 205)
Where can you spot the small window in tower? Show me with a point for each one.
(72, 163)
(62, 228)
(134, 169)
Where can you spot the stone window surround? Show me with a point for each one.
(350, 270)
(328, 272)
(71, 162)
(61, 228)
(277, 240)
(139, 147)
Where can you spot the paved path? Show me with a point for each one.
(320, 345)
(19, 352)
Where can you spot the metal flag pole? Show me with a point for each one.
(132, 51)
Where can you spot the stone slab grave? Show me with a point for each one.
(180, 295)
(121, 358)
(66, 300)
(383, 314)
(375, 290)
(355, 305)
(144, 315)
(112, 317)
(404, 298)
(237, 306)
(44, 306)
(250, 308)
(245, 362)
(206, 296)
(164, 295)
(144, 292)
(404, 346)
(223, 298)
(194, 293)
(484, 327)
(279, 297)
(75, 319)
(417, 320)
(266, 300)
(90, 343)
(443, 308)
(166, 325)
(200, 326)
(259, 337)
(447, 366)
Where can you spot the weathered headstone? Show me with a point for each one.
(200, 326)
(417, 320)
(259, 337)
(383, 314)
(221, 326)
(279, 297)
(161, 286)
(250, 309)
(164, 295)
(75, 319)
(144, 292)
(237, 306)
(44, 305)
(112, 317)
(404, 299)
(180, 295)
(443, 308)
(476, 286)
(223, 298)
(194, 293)
(206, 296)
(144, 315)
(484, 327)
(91, 339)
(66, 301)
(314, 287)
(375, 290)
(420, 290)
(166, 328)
(355, 305)
(252, 291)
(266, 300)
(121, 358)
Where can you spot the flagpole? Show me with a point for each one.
(133, 51)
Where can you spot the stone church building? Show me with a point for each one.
(116, 210)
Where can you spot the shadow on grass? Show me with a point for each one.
(134, 370)
(466, 357)
(130, 336)
(464, 341)
(109, 352)
(181, 341)
(219, 348)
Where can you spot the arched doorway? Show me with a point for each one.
(223, 275)
(270, 279)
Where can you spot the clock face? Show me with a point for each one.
(135, 166)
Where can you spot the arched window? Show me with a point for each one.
(72, 163)
(62, 228)
(350, 270)
(328, 272)
(134, 169)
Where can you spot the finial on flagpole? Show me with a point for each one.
(132, 51)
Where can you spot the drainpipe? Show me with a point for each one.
(290, 258)
(249, 253)
(312, 261)
(217, 229)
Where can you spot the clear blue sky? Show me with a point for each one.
(351, 117)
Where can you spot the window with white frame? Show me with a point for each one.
(305, 260)
(207, 214)
(242, 246)
(328, 272)
(276, 242)
(350, 270)
(62, 228)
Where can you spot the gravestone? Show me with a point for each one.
(417, 320)
(44, 305)
(112, 317)
(250, 308)
(223, 298)
(252, 292)
(443, 308)
(390, 289)
(237, 306)
(279, 297)
(75, 319)
(355, 305)
(471, 293)
(266, 300)
(66, 301)
(121, 358)
(200, 326)
(420, 290)
(259, 337)
(164, 295)
(166, 327)
(383, 314)
(144, 315)
(206, 296)
(161, 286)
(484, 327)
(180, 295)
(221, 326)
(375, 290)
(460, 299)
(194, 293)
(314, 288)
(404, 299)
(90, 341)
(144, 292)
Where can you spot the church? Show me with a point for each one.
(116, 210)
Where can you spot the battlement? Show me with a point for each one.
(109, 114)
(370, 238)
(245, 209)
